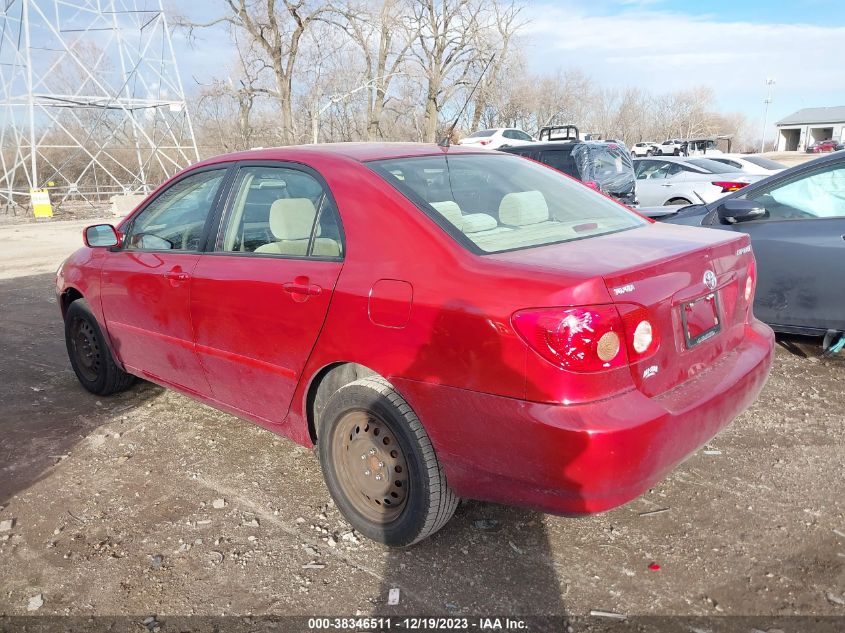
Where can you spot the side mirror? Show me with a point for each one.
(100, 236)
(734, 210)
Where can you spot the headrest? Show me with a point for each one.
(449, 210)
(524, 207)
(292, 218)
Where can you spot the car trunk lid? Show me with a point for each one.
(661, 268)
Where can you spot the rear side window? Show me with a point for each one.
(562, 161)
(765, 163)
(712, 166)
(280, 211)
(501, 202)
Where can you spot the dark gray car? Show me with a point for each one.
(796, 220)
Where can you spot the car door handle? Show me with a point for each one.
(302, 288)
(176, 275)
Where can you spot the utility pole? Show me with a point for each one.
(769, 83)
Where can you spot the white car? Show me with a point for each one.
(496, 138)
(750, 163)
(645, 148)
(670, 147)
(681, 181)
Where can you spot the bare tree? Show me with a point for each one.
(277, 30)
(496, 43)
(446, 52)
(384, 37)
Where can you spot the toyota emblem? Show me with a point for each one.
(710, 279)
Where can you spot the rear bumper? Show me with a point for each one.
(585, 458)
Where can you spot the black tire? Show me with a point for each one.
(89, 353)
(677, 202)
(428, 503)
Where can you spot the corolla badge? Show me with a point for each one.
(710, 279)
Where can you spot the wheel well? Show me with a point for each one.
(69, 296)
(678, 200)
(325, 383)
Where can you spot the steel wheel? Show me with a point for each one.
(371, 466)
(86, 349)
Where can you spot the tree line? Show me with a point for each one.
(400, 70)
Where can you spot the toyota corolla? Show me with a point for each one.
(442, 323)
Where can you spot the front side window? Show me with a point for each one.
(500, 203)
(176, 218)
(521, 136)
(655, 169)
(281, 211)
(820, 194)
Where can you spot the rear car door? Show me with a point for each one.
(146, 281)
(800, 250)
(260, 298)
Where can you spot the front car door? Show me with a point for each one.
(655, 182)
(800, 251)
(258, 301)
(146, 281)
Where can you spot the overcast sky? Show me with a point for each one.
(659, 45)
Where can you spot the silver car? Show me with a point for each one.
(680, 181)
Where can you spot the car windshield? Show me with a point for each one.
(765, 163)
(482, 133)
(712, 166)
(502, 202)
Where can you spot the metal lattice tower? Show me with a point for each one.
(92, 103)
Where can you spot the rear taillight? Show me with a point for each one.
(750, 281)
(589, 338)
(729, 185)
(484, 142)
(640, 332)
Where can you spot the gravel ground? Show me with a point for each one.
(149, 503)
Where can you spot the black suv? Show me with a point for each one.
(606, 166)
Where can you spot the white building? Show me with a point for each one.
(810, 125)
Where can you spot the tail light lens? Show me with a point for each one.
(750, 282)
(484, 142)
(729, 185)
(589, 338)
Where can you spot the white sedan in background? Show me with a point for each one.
(669, 181)
(750, 163)
(497, 137)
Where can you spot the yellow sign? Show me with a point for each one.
(41, 206)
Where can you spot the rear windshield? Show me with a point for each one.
(765, 163)
(482, 133)
(502, 202)
(713, 166)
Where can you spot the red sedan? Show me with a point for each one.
(822, 146)
(441, 323)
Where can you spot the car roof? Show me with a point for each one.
(360, 152)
